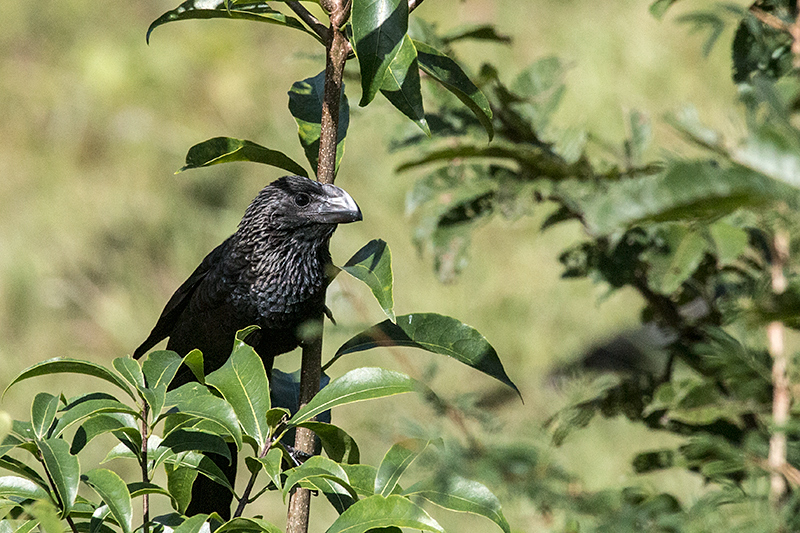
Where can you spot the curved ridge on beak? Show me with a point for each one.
(338, 207)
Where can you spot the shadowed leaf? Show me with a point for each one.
(226, 150)
(372, 264)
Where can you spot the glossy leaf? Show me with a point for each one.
(199, 463)
(254, 525)
(447, 72)
(434, 333)
(338, 445)
(64, 470)
(372, 264)
(359, 384)
(114, 492)
(213, 409)
(159, 369)
(243, 382)
(378, 511)
(226, 150)
(200, 9)
(361, 477)
(305, 105)
(18, 467)
(459, 494)
(122, 425)
(130, 370)
(194, 361)
(395, 462)
(401, 85)
(140, 489)
(17, 487)
(379, 27)
(71, 366)
(43, 413)
(179, 485)
(193, 524)
(87, 406)
(318, 467)
(181, 440)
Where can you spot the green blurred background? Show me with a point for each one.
(96, 230)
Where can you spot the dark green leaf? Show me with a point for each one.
(318, 467)
(395, 462)
(213, 409)
(452, 77)
(87, 406)
(114, 492)
(463, 495)
(305, 104)
(356, 385)
(339, 446)
(377, 512)
(434, 333)
(181, 440)
(361, 477)
(17, 487)
(64, 470)
(159, 369)
(226, 150)
(684, 251)
(194, 360)
(140, 489)
(379, 27)
(255, 525)
(272, 466)
(18, 467)
(199, 463)
(121, 425)
(242, 381)
(372, 264)
(199, 9)
(43, 412)
(179, 484)
(401, 85)
(72, 366)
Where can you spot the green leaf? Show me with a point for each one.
(395, 462)
(379, 27)
(318, 467)
(72, 366)
(378, 511)
(272, 466)
(199, 9)
(685, 251)
(447, 72)
(227, 149)
(255, 525)
(18, 467)
(401, 85)
(357, 385)
(130, 370)
(140, 489)
(17, 487)
(199, 463)
(114, 492)
(181, 440)
(339, 446)
(86, 406)
(64, 470)
(730, 242)
(362, 478)
(685, 191)
(194, 361)
(434, 333)
(159, 369)
(213, 409)
(463, 495)
(243, 382)
(43, 413)
(372, 264)
(305, 104)
(47, 515)
(193, 524)
(479, 32)
(122, 425)
(179, 484)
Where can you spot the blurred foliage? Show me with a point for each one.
(691, 234)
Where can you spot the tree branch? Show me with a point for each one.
(310, 20)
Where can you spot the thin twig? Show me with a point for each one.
(780, 380)
(769, 19)
(306, 16)
(251, 483)
(145, 477)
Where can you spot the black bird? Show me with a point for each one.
(273, 272)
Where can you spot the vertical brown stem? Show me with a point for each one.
(780, 380)
(337, 48)
(794, 29)
(145, 477)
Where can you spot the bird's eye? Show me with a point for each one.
(302, 199)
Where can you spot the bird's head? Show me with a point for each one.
(295, 202)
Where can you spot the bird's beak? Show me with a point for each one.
(338, 207)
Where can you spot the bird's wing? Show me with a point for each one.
(180, 300)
